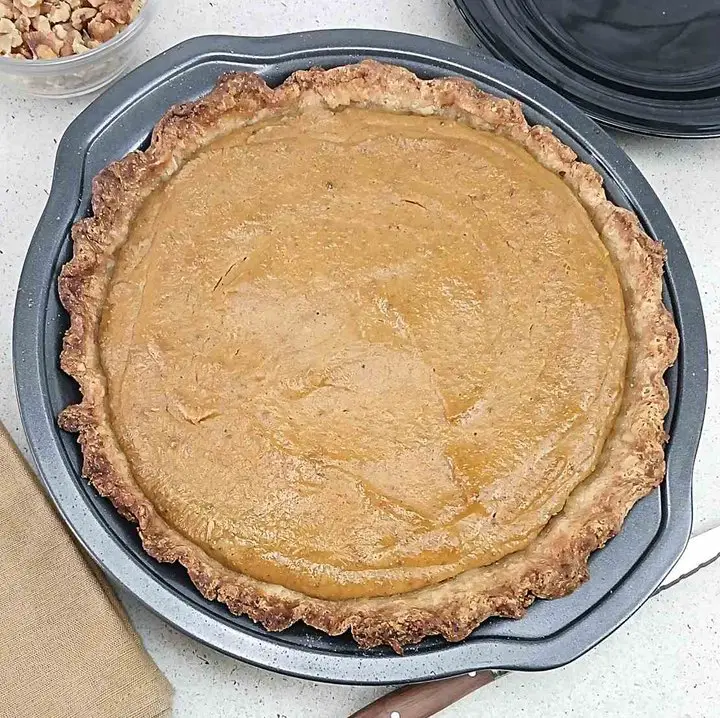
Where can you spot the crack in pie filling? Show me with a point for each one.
(366, 351)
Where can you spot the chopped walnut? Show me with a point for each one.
(10, 38)
(29, 8)
(7, 10)
(61, 30)
(45, 53)
(119, 11)
(81, 17)
(72, 37)
(101, 29)
(46, 29)
(79, 46)
(38, 39)
(60, 12)
(41, 23)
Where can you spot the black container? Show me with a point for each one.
(623, 574)
(637, 65)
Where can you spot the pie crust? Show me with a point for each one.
(553, 564)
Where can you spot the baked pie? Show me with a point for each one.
(366, 351)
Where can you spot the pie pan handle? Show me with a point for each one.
(422, 700)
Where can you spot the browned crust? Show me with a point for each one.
(631, 465)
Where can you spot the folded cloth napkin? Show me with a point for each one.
(67, 648)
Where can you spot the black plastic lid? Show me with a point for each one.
(648, 66)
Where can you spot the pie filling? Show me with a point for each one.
(356, 353)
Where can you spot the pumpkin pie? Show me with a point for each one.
(366, 351)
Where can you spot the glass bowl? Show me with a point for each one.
(79, 74)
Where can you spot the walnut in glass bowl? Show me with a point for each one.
(63, 48)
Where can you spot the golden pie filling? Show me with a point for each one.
(356, 353)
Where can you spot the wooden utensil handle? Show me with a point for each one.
(423, 700)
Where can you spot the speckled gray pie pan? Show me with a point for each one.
(623, 574)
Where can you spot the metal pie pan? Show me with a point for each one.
(623, 575)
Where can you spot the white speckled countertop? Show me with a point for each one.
(663, 661)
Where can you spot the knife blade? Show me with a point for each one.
(702, 549)
(423, 700)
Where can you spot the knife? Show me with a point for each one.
(423, 700)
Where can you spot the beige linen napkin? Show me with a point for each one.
(67, 648)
